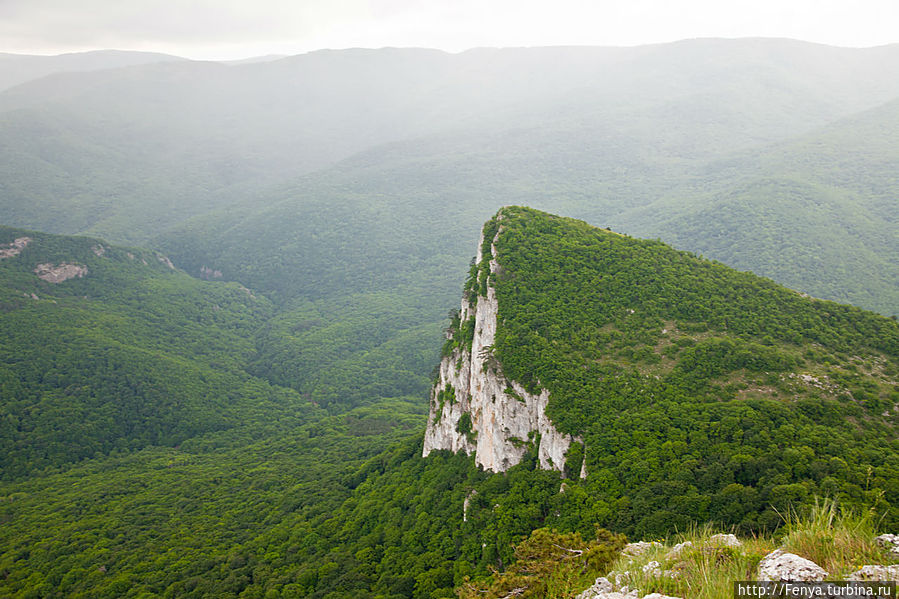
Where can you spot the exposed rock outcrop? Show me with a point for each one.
(165, 260)
(467, 503)
(476, 409)
(782, 566)
(59, 273)
(654, 569)
(9, 250)
(603, 589)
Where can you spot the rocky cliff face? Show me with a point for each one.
(476, 409)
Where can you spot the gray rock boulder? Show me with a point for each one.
(601, 586)
(654, 569)
(782, 566)
(725, 540)
(602, 592)
(678, 550)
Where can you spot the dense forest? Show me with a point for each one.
(131, 420)
(702, 394)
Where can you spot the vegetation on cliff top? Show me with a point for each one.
(701, 393)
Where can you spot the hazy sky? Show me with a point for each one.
(240, 28)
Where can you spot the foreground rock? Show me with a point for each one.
(654, 569)
(875, 573)
(889, 542)
(601, 587)
(590, 594)
(725, 540)
(679, 549)
(639, 548)
(782, 566)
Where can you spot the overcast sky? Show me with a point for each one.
(223, 29)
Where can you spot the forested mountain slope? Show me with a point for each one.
(697, 392)
(621, 150)
(635, 341)
(817, 213)
(110, 349)
(134, 440)
(367, 256)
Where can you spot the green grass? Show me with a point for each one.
(838, 539)
(706, 570)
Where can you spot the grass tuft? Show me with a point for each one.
(838, 539)
(705, 570)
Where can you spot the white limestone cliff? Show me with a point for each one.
(502, 416)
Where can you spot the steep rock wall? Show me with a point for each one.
(475, 409)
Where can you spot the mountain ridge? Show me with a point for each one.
(731, 341)
(16, 69)
(263, 124)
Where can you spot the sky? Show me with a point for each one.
(231, 29)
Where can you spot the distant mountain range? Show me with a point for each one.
(19, 68)
(691, 141)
